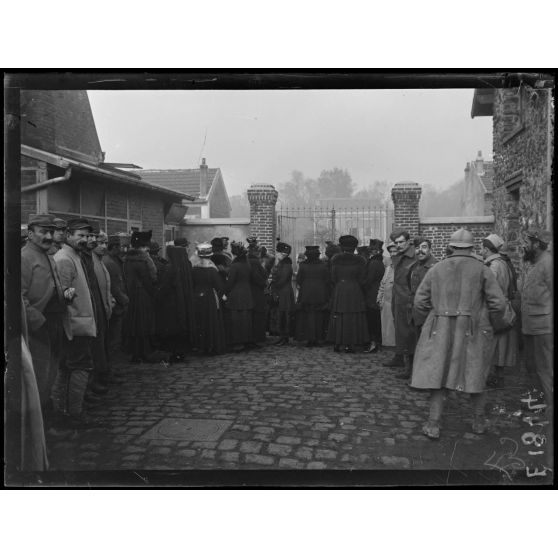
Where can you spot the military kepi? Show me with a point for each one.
(79, 224)
(44, 220)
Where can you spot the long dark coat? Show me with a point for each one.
(209, 334)
(375, 270)
(175, 298)
(458, 300)
(239, 301)
(281, 288)
(347, 322)
(258, 282)
(313, 281)
(140, 286)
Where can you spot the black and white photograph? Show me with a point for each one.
(282, 278)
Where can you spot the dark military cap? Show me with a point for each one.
(539, 234)
(60, 224)
(348, 241)
(44, 220)
(181, 242)
(78, 224)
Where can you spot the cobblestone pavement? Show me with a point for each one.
(288, 408)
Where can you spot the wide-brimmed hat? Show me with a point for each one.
(182, 241)
(141, 238)
(204, 250)
(348, 241)
(462, 238)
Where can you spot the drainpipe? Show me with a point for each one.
(46, 183)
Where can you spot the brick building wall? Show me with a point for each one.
(406, 198)
(523, 137)
(262, 199)
(440, 229)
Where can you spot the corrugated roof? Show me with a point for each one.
(186, 181)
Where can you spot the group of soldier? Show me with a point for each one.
(88, 298)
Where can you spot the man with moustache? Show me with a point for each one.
(403, 262)
(44, 302)
(536, 321)
(425, 260)
(76, 363)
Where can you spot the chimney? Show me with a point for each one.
(479, 163)
(203, 179)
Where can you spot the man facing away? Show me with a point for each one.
(456, 304)
(76, 363)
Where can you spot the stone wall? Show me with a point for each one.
(523, 136)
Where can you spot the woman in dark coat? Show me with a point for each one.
(175, 301)
(238, 294)
(281, 290)
(375, 270)
(347, 322)
(258, 282)
(141, 279)
(313, 296)
(209, 333)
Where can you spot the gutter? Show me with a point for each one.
(46, 183)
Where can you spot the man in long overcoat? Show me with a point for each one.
(375, 270)
(405, 338)
(505, 354)
(457, 302)
(282, 291)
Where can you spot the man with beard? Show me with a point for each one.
(58, 235)
(44, 302)
(404, 331)
(425, 260)
(536, 321)
(76, 363)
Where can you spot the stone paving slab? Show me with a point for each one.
(287, 408)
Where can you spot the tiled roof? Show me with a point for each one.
(186, 181)
(487, 178)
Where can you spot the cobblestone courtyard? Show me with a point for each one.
(283, 408)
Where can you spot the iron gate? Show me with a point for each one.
(303, 226)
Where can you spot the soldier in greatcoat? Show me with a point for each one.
(458, 304)
(282, 294)
(505, 354)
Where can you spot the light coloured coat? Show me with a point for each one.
(384, 301)
(459, 299)
(72, 274)
(536, 297)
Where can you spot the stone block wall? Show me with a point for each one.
(523, 138)
(262, 199)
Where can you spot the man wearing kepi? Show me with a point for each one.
(77, 362)
(505, 354)
(460, 303)
(44, 302)
(536, 321)
(405, 339)
(425, 261)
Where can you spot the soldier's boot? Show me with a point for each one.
(431, 428)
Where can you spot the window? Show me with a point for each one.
(63, 198)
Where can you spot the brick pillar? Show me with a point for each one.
(406, 197)
(262, 198)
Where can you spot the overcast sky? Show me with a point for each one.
(261, 136)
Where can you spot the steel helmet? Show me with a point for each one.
(462, 238)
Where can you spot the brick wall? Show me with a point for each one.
(406, 198)
(522, 170)
(262, 199)
(439, 230)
